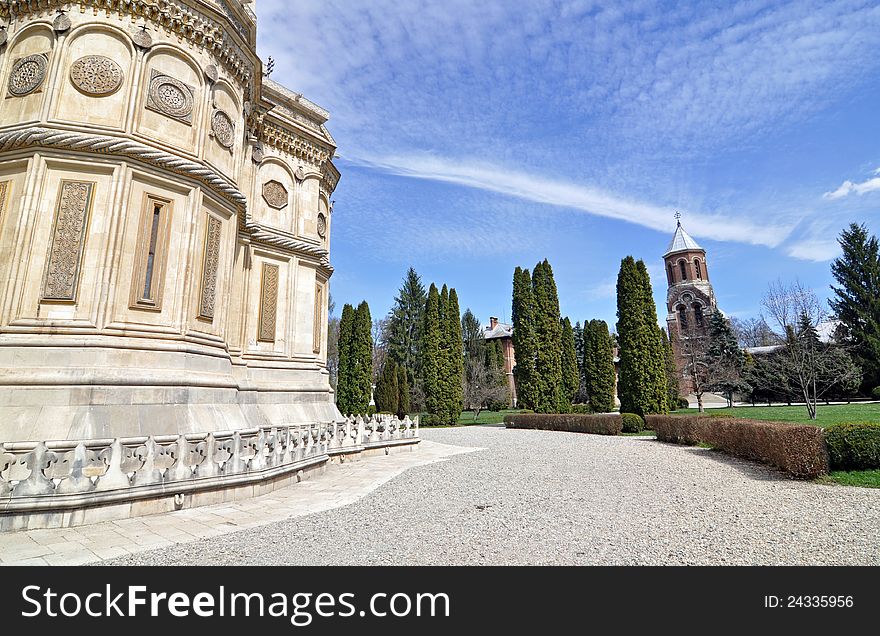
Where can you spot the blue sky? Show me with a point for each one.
(478, 136)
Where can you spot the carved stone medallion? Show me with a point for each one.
(275, 194)
(142, 38)
(170, 97)
(61, 23)
(300, 174)
(322, 226)
(223, 128)
(28, 74)
(257, 154)
(96, 75)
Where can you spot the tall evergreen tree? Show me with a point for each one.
(362, 359)
(856, 300)
(475, 345)
(570, 373)
(453, 397)
(524, 338)
(726, 358)
(643, 387)
(548, 338)
(387, 393)
(344, 384)
(431, 353)
(599, 366)
(403, 393)
(405, 324)
(673, 386)
(579, 335)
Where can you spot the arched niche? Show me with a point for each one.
(95, 77)
(273, 203)
(309, 196)
(226, 125)
(171, 100)
(27, 80)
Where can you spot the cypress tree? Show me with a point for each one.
(524, 338)
(579, 335)
(453, 394)
(673, 387)
(643, 387)
(599, 366)
(387, 391)
(362, 359)
(856, 302)
(548, 338)
(499, 361)
(431, 352)
(403, 399)
(344, 389)
(658, 387)
(570, 373)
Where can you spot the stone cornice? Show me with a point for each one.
(184, 21)
(122, 147)
(274, 238)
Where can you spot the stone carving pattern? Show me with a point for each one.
(68, 237)
(318, 322)
(96, 75)
(211, 266)
(4, 194)
(223, 128)
(322, 226)
(170, 97)
(268, 303)
(54, 471)
(28, 74)
(275, 194)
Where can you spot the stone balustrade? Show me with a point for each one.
(52, 477)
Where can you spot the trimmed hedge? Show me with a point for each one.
(597, 424)
(632, 423)
(799, 450)
(854, 446)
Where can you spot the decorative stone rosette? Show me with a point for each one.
(96, 75)
(28, 74)
(170, 97)
(322, 226)
(223, 128)
(275, 194)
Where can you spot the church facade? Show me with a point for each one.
(165, 229)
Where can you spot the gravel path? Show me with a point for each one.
(534, 497)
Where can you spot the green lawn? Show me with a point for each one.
(485, 417)
(863, 478)
(827, 415)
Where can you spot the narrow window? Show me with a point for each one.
(698, 315)
(151, 252)
(151, 247)
(682, 318)
(698, 269)
(671, 274)
(683, 268)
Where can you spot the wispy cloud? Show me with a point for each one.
(556, 192)
(848, 187)
(817, 250)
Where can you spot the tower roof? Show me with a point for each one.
(682, 242)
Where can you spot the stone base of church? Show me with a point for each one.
(72, 483)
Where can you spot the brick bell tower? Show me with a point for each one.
(690, 299)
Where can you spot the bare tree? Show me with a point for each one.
(754, 332)
(694, 347)
(380, 346)
(483, 385)
(332, 342)
(810, 366)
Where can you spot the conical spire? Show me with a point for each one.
(682, 242)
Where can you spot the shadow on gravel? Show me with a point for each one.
(750, 469)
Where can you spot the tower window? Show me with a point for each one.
(671, 274)
(698, 269)
(683, 267)
(682, 317)
(698, 315)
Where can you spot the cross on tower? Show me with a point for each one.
(678, 217)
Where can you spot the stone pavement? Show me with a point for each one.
(339, 485)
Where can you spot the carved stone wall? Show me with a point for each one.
(68, 239)
(210, 267)
(268, 303)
